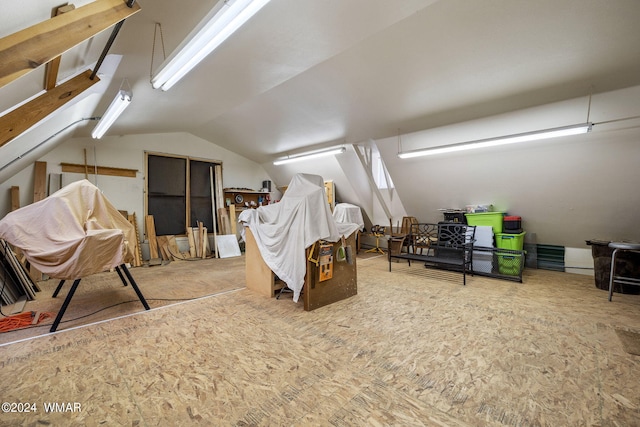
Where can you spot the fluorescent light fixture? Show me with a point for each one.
(215, 28)
(502, 140)
(310, 155)
(117, 106)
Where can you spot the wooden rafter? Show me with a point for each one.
(25, 50)
(19, 120)
(51, 75)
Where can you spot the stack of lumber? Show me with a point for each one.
(198, 241)
(165, 247)
(14, 278)
(169, 250)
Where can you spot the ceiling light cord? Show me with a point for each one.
(157, 29)
(216, 27)
(122, 84)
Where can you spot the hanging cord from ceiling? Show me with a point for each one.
(157, 29)
(589, 105)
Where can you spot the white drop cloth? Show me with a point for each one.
(285, 229)
(73, 233)
(346, 212)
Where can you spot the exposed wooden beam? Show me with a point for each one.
(15, 198)
(19, 120)
(102, 170)
(39, 181)
(25, 50)
(51, 74)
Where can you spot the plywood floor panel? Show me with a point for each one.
(412, 348)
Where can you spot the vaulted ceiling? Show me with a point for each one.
(307, 73)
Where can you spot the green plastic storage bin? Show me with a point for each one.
(493, 219)
(510, 241)
(510, 264)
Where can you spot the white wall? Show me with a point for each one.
(566, 190)
(129, 152)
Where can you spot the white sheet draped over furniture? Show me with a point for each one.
(285, 229)
(346, 212)
(71, 234)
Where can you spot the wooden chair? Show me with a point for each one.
(403, 240)
(418, 238)
(422, 237)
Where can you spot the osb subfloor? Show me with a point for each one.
(103, 296)
(413, 348)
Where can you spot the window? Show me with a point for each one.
(179, 192)
(379, 172)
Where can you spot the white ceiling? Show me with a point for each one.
(307, 73)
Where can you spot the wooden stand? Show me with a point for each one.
(259, 277)
(316, 294)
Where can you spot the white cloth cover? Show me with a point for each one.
(285, 229)
(346, 212)
(71, 234)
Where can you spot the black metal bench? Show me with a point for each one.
(446, 245)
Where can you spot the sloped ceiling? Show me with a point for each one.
(307, 73)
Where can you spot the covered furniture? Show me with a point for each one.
(284, 231)
(616, 275)
(72, 234)
(315, 293)
(348, 213)
(352, 214)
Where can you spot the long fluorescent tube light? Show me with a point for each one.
(117, 106)
(311, 155)
(214, 29)
(502, 140)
